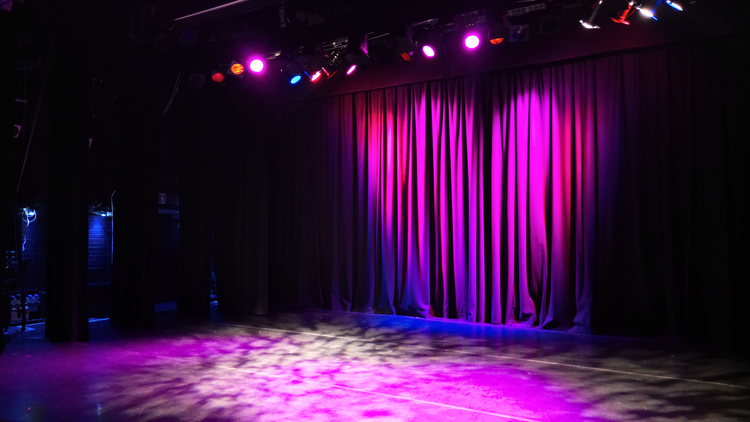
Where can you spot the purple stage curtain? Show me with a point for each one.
(543, 197)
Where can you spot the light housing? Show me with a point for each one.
(674, 5)
(471, 41)
(622, 17)
(589, 24)
(236, 68)
(496, 35)
(256, 65)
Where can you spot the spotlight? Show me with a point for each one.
(422, 38)
(237, 69)
(295, 79)
(217, 77)
(351, 70)
(256, 65)
(519, 33)
(356, 53)
(496, 35)
(333, 63)
(625, 14)
(649, 12)
(589, 24)
(674, 5)
(471, 41)
(315, 76)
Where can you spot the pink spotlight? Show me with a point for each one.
(351, 70)
(472, 41)
(256, 65)
(429, 51)
(315, 76)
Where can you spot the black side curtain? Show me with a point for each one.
(603, 195)
(241, 213)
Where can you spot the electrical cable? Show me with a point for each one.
(36, 113)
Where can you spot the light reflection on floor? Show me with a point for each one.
(325, 366)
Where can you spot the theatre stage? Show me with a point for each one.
(332, 366)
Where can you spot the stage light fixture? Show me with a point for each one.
(649, 12)
(256, 65)
(295, 79)
(471, 41)
(674, 5)
(589, 24)
(351, 69)
(496, 35)
(422, 38)
(315, 76)
(334, 62)
(237, 69)
(519, 33)
(622, 17)
(217, 77)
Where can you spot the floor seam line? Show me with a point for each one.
(616, 371)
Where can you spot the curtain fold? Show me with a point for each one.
(240, 210)
(561, 197)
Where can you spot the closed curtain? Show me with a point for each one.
(603, 194)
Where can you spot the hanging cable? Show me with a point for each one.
(36, 112)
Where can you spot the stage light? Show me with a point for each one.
(217, 77)
(351, 70)
(236, 68)
(422, 37)
(472, 41)
(519, 33)
(623, 16)
(295, 79)
(589, 24)
(674, 5)
(334, 60)
(647, 13)
(406, 56)
(356, 53)
(256, 65)
(315, 76)
(496, 35)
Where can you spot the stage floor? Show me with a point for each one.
(335, 366)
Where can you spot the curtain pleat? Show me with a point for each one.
(559, 197)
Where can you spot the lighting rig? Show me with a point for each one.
(423, 41)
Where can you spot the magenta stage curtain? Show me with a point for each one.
(562, 197)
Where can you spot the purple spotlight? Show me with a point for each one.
(428, 51)
(472, 41)
(351, 70)
(256, 65)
